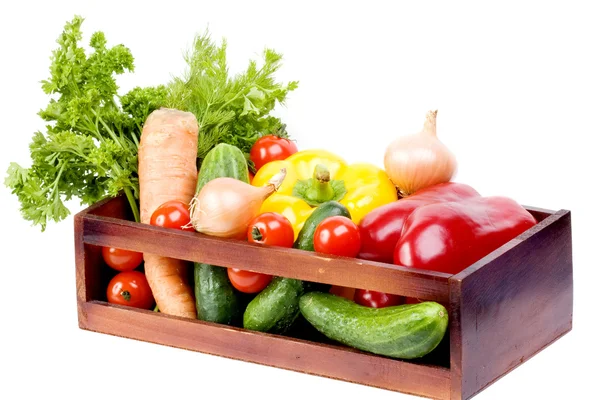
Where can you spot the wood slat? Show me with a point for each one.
(277, 261)
(272, 350)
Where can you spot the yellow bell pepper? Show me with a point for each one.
(316, 176)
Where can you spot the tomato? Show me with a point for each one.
(172, 214)
(270, 148)
(371, 298)
(248, 281)
(412, 300)
(271, 229)
(120, 259)
(337, 236)
(343, 291)
(130, 288)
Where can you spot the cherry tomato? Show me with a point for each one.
(248, 281)
(271, 229)
(412, 300)
(269, 148)
(120, 259)
(130, 288)
(343, 291)
(172, 214)
(337, 236)
(371, 298)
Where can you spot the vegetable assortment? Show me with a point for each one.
(317, 176)
(203, 153)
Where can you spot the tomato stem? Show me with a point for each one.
(256, 234)
(126, 295)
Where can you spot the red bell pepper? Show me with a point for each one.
(450, 236)
(381, 228)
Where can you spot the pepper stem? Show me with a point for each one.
(320, 189)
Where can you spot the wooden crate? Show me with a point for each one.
(503, 309)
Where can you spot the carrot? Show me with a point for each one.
(167, 171)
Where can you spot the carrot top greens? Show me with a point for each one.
(90, 144)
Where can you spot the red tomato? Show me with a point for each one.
(271, 229)
(121, 260)
(371, 298)
(130, 288)
(270, 148)
(412, 300)
(337, 236)
(248, 281)
(172, 214)
(343, 291)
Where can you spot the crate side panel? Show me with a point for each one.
(278, 351)
(514, 305)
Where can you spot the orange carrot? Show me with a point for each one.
(167, 171)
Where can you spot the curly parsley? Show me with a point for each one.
(89, 149)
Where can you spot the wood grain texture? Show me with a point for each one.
(291, 263)
(92, 275)
(511, 304)
(273, 350)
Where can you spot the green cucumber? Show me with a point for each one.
(216, 299)
(276, 308)
(305, 240)
(223, 161)
(407, 331)
(307, 233)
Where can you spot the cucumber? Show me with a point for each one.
(216, 299)
(223, 161)
(305, 240)
(307, 233)
(275, 308)
(407, 331)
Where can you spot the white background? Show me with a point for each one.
(517, 88)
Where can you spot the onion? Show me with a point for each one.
(226, 206)
(417, 161)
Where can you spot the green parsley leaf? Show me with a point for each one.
(89, 149)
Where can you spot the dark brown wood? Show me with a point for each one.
(503, 309)
(91, 275)
(539, 213)
(511, 304)
(293, 354)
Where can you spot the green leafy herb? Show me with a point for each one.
(229, 110)
(90, 145)
(89, 149)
